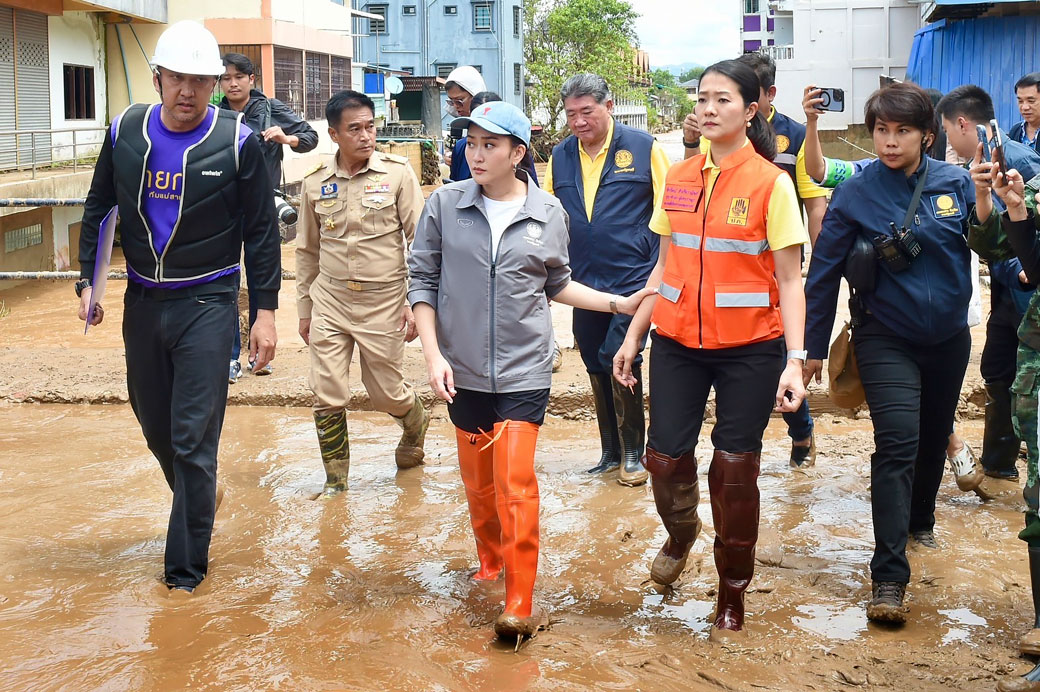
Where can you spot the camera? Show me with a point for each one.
(899, 250)
(285, 212)
(833, 99)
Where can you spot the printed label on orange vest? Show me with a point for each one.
(680, 197)
(738, 211)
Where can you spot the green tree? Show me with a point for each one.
(692, 73)
(566, 37)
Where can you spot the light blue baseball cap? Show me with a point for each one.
(499, 117)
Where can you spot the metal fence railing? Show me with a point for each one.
(42, 147)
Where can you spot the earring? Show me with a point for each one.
(748, 124)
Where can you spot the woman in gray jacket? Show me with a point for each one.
(487, 254)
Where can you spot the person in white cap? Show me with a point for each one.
(192, 188)
(464, 82)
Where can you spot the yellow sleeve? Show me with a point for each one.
(659, 222)
(659, 165)
(547, 181)
(784, 225)
(807, 189)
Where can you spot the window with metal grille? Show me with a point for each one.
(288, 78)
(339, 73)
(517, 79)
(409, 69)
(408, 10)
(482, 16)
(377, 26)
(750, 6)
(79, 92)
(21, 238)
(444, 69)
(451, 9)
(316, 78)
(517, 20)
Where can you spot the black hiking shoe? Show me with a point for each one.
(925, 539)
(886, 603)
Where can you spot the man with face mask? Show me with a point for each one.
(464, 82)
(192, 188)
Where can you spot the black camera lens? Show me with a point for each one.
(826, 96)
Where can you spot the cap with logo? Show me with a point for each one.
(500, 118)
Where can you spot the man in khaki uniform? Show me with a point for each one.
(358, 214)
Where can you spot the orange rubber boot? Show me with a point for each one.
(477, 468)
(516, 491)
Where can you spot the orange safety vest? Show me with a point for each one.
(719, 289)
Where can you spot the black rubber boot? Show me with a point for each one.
(628, 403)
(1029, 644)
(610, 459)
(999, 444)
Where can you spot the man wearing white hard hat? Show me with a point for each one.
(464, 82)
(192, 190)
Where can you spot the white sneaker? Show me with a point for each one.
(234, 372)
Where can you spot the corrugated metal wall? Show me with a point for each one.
(992, 52)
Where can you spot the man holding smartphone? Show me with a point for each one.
(966, 113)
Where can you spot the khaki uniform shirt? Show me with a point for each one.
(356, 228)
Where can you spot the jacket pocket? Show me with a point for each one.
(1024, 399)
(332, 222)
(671, 312)
(743, 312)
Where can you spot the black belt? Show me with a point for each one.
(222, 284)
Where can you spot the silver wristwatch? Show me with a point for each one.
(798, 355)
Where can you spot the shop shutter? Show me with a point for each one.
(33, 85)
(7, 121)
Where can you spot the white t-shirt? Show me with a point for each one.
(500, 215)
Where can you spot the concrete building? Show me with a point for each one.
(433, 38)
(846, 44)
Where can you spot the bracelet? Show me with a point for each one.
(613, 304)
(695, 144)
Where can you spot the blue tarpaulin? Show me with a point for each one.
(992, 52)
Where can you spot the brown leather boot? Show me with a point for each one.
(733, 486)
(676, 495)
(476, 463)
(516, 491)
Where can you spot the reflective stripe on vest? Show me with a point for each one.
(744, 247)
(668, 292)
(687, 240)
(741, 300)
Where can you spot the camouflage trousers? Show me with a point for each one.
(1025, 418)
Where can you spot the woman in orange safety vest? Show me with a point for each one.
(729, 282)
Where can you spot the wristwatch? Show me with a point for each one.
(80, 285)
(797, 355)
(695, 144)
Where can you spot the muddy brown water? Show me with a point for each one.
(371, 591)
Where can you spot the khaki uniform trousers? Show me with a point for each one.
(343, 317)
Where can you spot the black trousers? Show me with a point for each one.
(177, 350)
(745, 380)
(598, 336)
(1000, 353)
(477, 412)
(912, 391)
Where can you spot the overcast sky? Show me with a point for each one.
(678, 31)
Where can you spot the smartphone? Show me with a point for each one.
(833, 99)
(998, 147)
(984, 139)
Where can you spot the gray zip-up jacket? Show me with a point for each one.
(493, 320)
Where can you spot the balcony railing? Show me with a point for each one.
(778, 52)
(42, 145)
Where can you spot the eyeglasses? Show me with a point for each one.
(458, 102)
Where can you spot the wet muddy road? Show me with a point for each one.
(370, 591)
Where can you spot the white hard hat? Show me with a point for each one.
(467, 77)
(188, 48)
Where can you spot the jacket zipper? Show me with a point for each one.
(700, 279)
(491, 330)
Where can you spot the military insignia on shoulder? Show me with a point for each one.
(317, 167)
(782, 143)
(623, 158)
